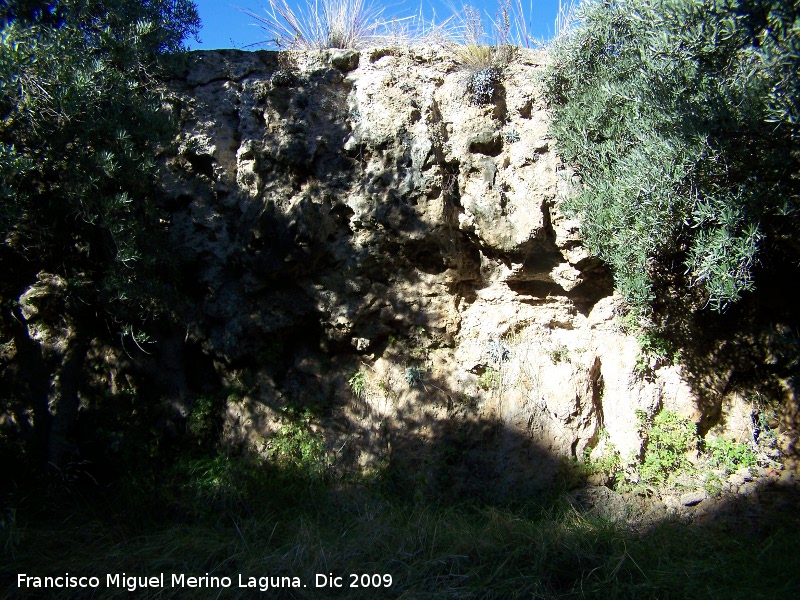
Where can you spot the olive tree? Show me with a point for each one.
(682, 118)
(81, 120)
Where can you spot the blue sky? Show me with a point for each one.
(224, 26)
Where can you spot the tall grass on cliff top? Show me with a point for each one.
(354, 24)
(682, 118)
(322, 24)
(480, 40)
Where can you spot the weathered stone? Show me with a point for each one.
(348, 205)
(673, 503)
(360, 344)
(692, 498)
(602, 502)
(344, 60)
(787, 479)
(736, 480)
(749, 488)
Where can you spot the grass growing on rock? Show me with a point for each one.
(345, 24)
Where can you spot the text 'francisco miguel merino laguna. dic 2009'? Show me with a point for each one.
(180, 580)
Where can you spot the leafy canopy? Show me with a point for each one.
(682, 118)
(81, 122)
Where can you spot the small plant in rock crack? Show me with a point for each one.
(284, 78)
(413, 376)
(763, 433)
(498, 351)
(489, 379)
(297, 446)
(358, 383)
(203, 419)
(559, 353)
(669, 439)
(577, 470)
(482, 85)
(511, 136)
(654, 349)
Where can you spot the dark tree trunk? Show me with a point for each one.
(31, 379)
(63, 402)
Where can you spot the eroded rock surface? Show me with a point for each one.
(343, 212)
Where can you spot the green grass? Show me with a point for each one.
(358, 383)
(431, 549)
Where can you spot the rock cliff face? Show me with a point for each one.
(372, 212)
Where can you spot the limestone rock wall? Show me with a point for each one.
(346, 212)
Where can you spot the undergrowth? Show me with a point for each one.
(200, 510)
(669, 439)
(460, 549)
(674, 457)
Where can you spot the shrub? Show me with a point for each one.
(78, 197)
(729, 455)
(682, 118)
(295, 446)
(81, 122)
(669, 438)
(482, 84)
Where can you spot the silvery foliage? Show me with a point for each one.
(511, 136)
(683, 122)
(482, 85)
(498, 351)
(413, 376)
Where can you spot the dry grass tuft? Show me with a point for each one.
(475, 50)
(345, 24)
(567, 18)
(357, 24)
